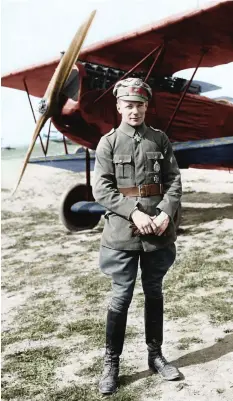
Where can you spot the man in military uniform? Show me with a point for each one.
(137, 179)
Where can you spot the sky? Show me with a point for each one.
(35, 31)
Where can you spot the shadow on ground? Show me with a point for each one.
(192, 215)
(201, 356)
(207, 197)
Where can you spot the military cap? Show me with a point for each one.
(134, 89)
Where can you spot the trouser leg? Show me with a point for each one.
(115, 332)
(154, 266)
(153, 314)
(122, 267)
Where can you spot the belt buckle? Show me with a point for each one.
(142, 191)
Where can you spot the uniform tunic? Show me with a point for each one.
(124, 159)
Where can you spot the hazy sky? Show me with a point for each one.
(34, 31)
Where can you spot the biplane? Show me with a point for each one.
(78, 96)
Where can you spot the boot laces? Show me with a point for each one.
(110, 367)
(162, 360)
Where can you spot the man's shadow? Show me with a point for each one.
(204, 355)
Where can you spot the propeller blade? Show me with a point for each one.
(56, 84)
(65, 66)
(39, 125)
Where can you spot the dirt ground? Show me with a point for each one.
(54, 297)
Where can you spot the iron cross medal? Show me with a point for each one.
(137, 137)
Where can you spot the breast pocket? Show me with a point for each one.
(123, 166)
(154, 162)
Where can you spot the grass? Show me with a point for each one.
(199, 215)
(185, 342)
(19, 223)
(92, 329)
(92, 286)
(220, 309)
(34, 369)
(91, 393)
(6, 215)
(34, 321)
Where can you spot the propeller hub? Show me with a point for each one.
(42, 106)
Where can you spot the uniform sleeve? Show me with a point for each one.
(171, 180)
(104, 186)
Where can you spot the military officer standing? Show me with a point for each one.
(137, 179)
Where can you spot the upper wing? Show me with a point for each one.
(36, 77)
(185, 36)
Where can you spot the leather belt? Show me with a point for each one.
(143, 190)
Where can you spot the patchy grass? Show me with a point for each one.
(220, 308)
(199, 215)
(7, 214)
(92, 286)
(17, 223)
(34, 321)
(42, 295)
(34, 370)
(185, 342)
(192, 273)
(224, 265)
(91, 393)
(219, 251)
(176, 311)
(33, 240)
(94, 369)
(91, 328)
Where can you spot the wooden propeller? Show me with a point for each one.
(56, 85)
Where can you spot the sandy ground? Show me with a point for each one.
(207, 366)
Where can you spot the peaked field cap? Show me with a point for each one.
(134, 89)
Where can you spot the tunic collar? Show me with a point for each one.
(130, 131)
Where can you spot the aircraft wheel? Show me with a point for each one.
(75, 221)
(177, 217)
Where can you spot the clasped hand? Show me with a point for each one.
(150, 224)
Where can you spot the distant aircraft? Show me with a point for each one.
(80, 103)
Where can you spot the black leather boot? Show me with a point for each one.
(154, 339)
(115, 334)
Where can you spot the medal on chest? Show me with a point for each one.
(137, 137)
(156, 167)
(156, 179)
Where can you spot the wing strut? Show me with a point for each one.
(154, 62)
(132, 69)
(203, 52)
(65, 145)
(33, 113)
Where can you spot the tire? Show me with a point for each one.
(75, 221)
